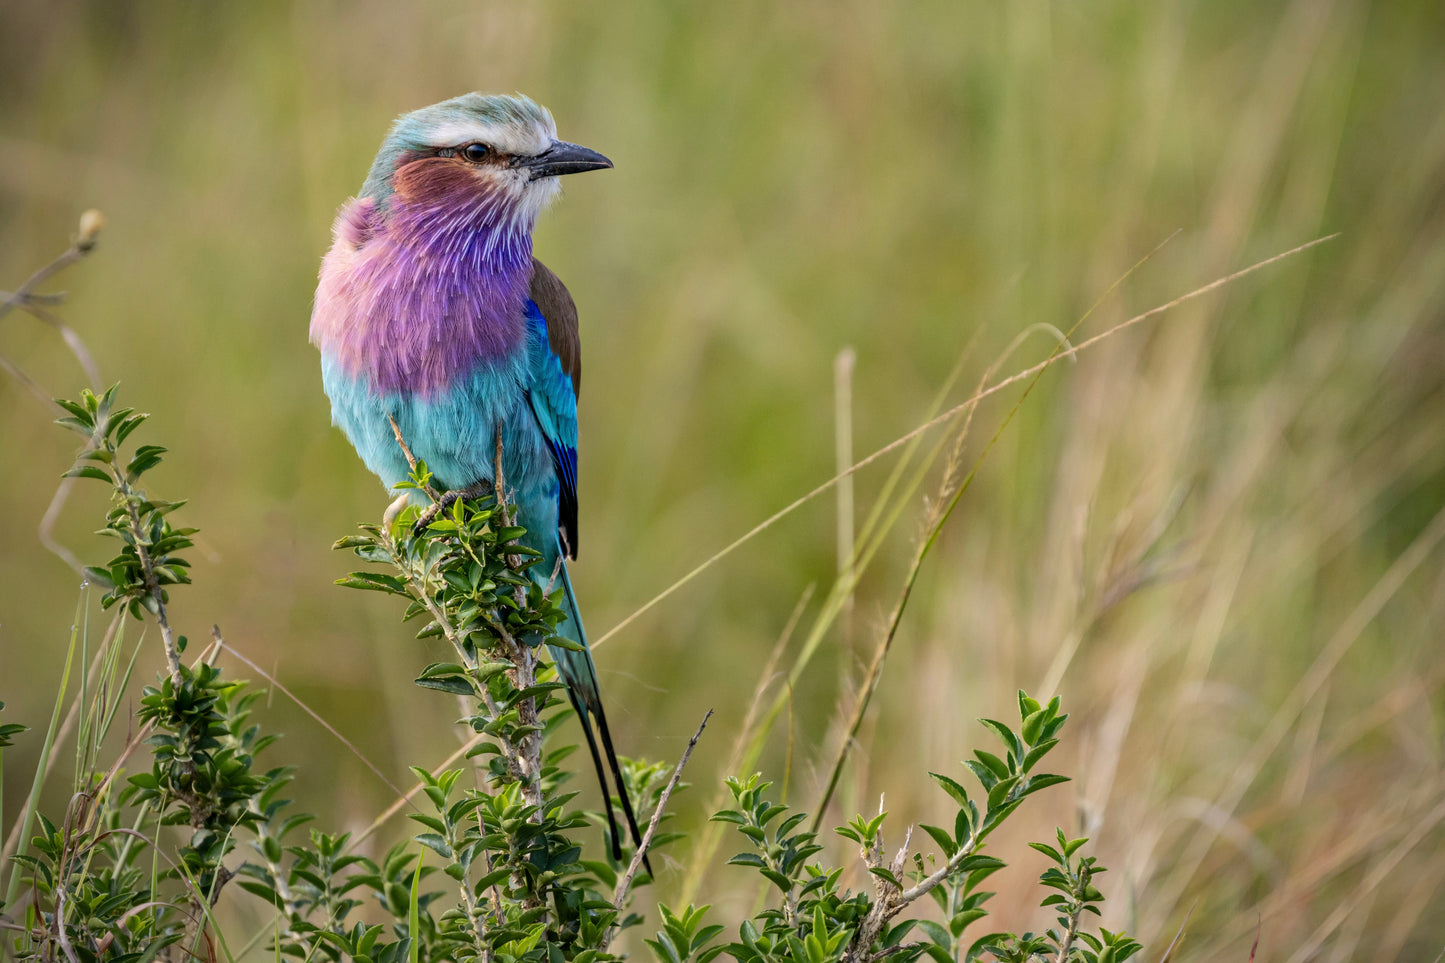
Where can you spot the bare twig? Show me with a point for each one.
(1066, 946)
(410, 458)
(623, 885)
(34, 303)
(892, 900)
(91, 224)
(888, 951)
(15, 300)
(153, 587)
(62, 937)
(37, 305)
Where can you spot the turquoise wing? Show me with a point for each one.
(553, 398)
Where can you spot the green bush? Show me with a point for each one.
(135, 866)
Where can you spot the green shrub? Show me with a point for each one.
(135, 866)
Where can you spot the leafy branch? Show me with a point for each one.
(136, 864)
(817, 920)
(147, 564)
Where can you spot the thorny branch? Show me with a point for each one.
(892, 900)
(524, 759)
(523, 657)
(625, 883)
(1070, 934)
(410, 458)
(153, 587)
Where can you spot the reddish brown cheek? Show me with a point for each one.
(436, 179)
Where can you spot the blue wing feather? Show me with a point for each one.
(554, 401)
(555, 372)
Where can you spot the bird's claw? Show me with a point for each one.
(472, 491)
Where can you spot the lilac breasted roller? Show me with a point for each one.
(432, 310)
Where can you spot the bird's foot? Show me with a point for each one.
(478, 489)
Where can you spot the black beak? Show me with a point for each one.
(562, 158)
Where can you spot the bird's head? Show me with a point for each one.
(496, 149)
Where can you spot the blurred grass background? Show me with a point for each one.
(1216, 535)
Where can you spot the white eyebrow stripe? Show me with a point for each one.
(510, 138)
(453, 134)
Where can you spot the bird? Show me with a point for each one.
(436, 323)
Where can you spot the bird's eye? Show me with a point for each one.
(476, 153)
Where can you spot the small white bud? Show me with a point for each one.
(92, 222)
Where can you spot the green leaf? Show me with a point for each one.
(940, 836)
(1037, 753)
(80, 426)
(435, 843)
(413, 915)
(487, 670)
(562, 642)
(1033, 726)
(441, 669)
(80, 412)
(374, 582)
(453, 684)
(885, 874)
(664, 950)
(128, 425)
(1042, 781)
(1010, 739)
(994, 763)
(777, 879)
(935, 932)
(982, 773)
(978, 861)
(938, 954)
(961, 920)
(963, 824)
(958, 793)
(88, 471)
(145, 458)
(706, 935)
(1000, 792)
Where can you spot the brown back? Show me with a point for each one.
(556, 304)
